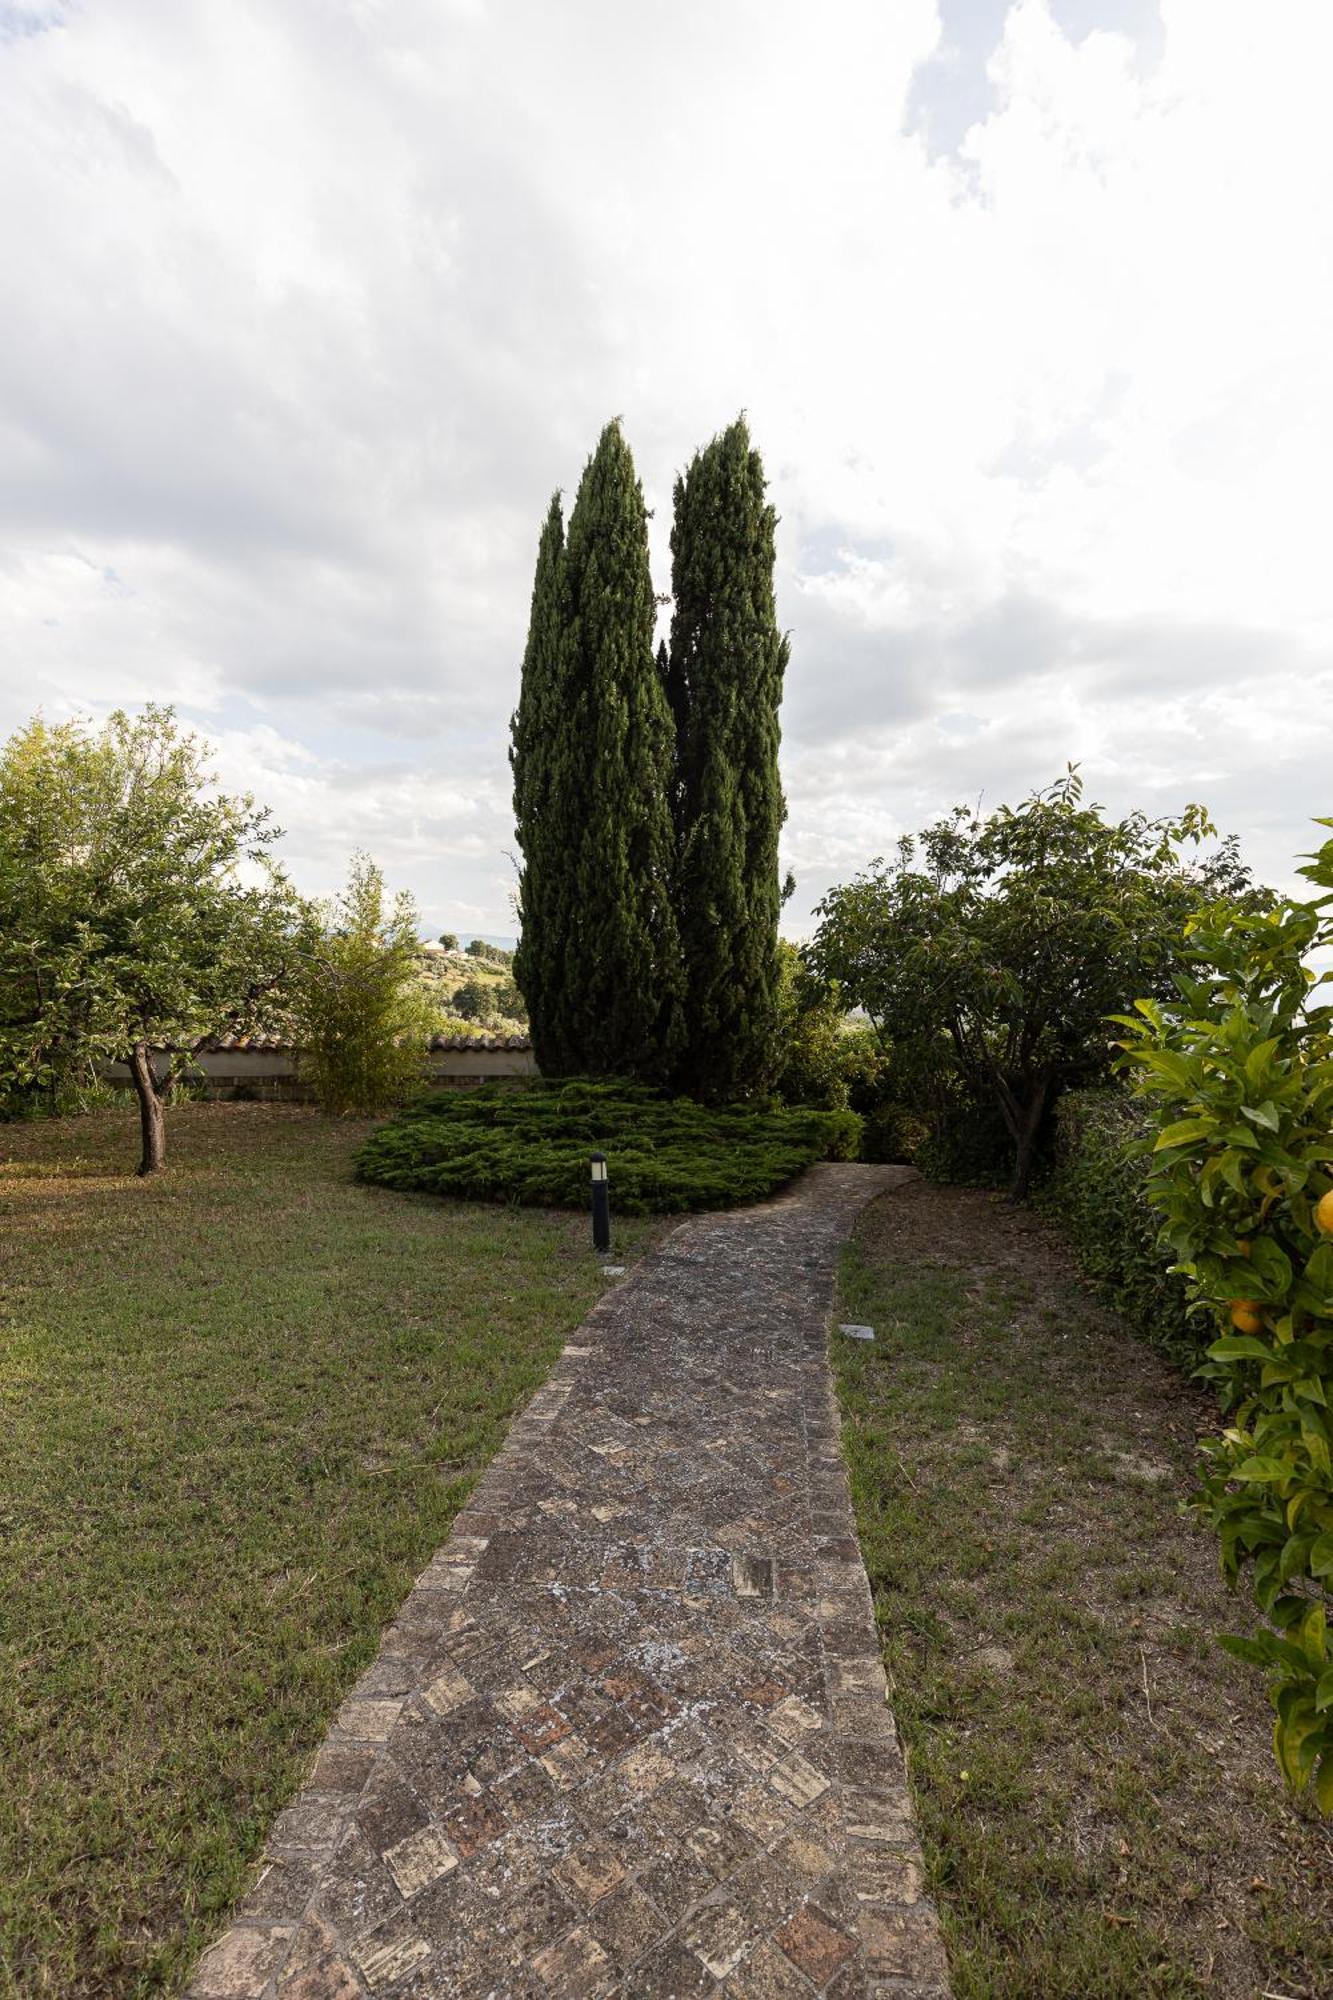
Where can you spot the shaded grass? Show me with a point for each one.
(239, 1407)
(1098, 1802)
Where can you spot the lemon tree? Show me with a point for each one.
(1240, 1072)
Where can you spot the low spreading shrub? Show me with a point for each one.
(529, 1144)
(1097, 1191)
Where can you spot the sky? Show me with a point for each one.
(306, 307)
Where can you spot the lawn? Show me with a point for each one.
(1100, 1810)
(241, 1405)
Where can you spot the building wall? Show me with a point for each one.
(272, 1073)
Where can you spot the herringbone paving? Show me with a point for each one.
(628, 1734)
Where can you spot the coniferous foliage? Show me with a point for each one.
(623, 971)
(530, 1144)
(724, 677)
(599, 962)
(543, 767)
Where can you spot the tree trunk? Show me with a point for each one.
(1025, 1140)
(151, 1119)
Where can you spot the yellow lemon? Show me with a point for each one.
(1323, 1213)
(1245, 1316)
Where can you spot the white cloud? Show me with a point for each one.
(308, 308)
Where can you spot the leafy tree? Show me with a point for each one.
(1239, 1071)
(724, 674)
(364, 1018)
(474, 1001)
(449, 940)
(994, 961)
(599, 961)
(811, 1014)
(138, 908)
(508, 1000)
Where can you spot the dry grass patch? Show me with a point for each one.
(1094, 1776)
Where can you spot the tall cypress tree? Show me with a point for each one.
(624, 968)
(599, 959)
(724, 677)
(539, 757)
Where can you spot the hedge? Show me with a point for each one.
(1096, 1190)
(966, 1144)
(529, 1144)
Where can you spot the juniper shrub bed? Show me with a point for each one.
(530, 1143)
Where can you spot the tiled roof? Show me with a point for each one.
(480, 1042)
(279, 1045)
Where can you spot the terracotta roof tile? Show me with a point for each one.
(279, 1045)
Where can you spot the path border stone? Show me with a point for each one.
(629, 1732)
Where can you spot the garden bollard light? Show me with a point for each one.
(601, 1205)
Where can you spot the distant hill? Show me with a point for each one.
(475, 993)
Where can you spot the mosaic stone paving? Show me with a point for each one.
(628, 1734)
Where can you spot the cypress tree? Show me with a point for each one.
(623, 972)
(724, 677)
(539, 758)
(599, 960)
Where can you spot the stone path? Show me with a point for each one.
(628, 1734)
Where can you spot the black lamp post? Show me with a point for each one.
(601, 1205)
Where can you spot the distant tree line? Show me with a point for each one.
(646, 788)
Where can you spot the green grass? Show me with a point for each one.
(241, 1405)
(1094, 1778)
(530, 1143)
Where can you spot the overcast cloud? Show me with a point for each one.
(307, 305)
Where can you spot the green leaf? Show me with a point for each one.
(1314, 1628)
(1273, 1266)
(1252, 1651)
(1240, 1347)
(1270, 1470)
(1184, 1132)
(1257, 1060)
(1323, 1784)
(1319, 1270)
(1166, 1063)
